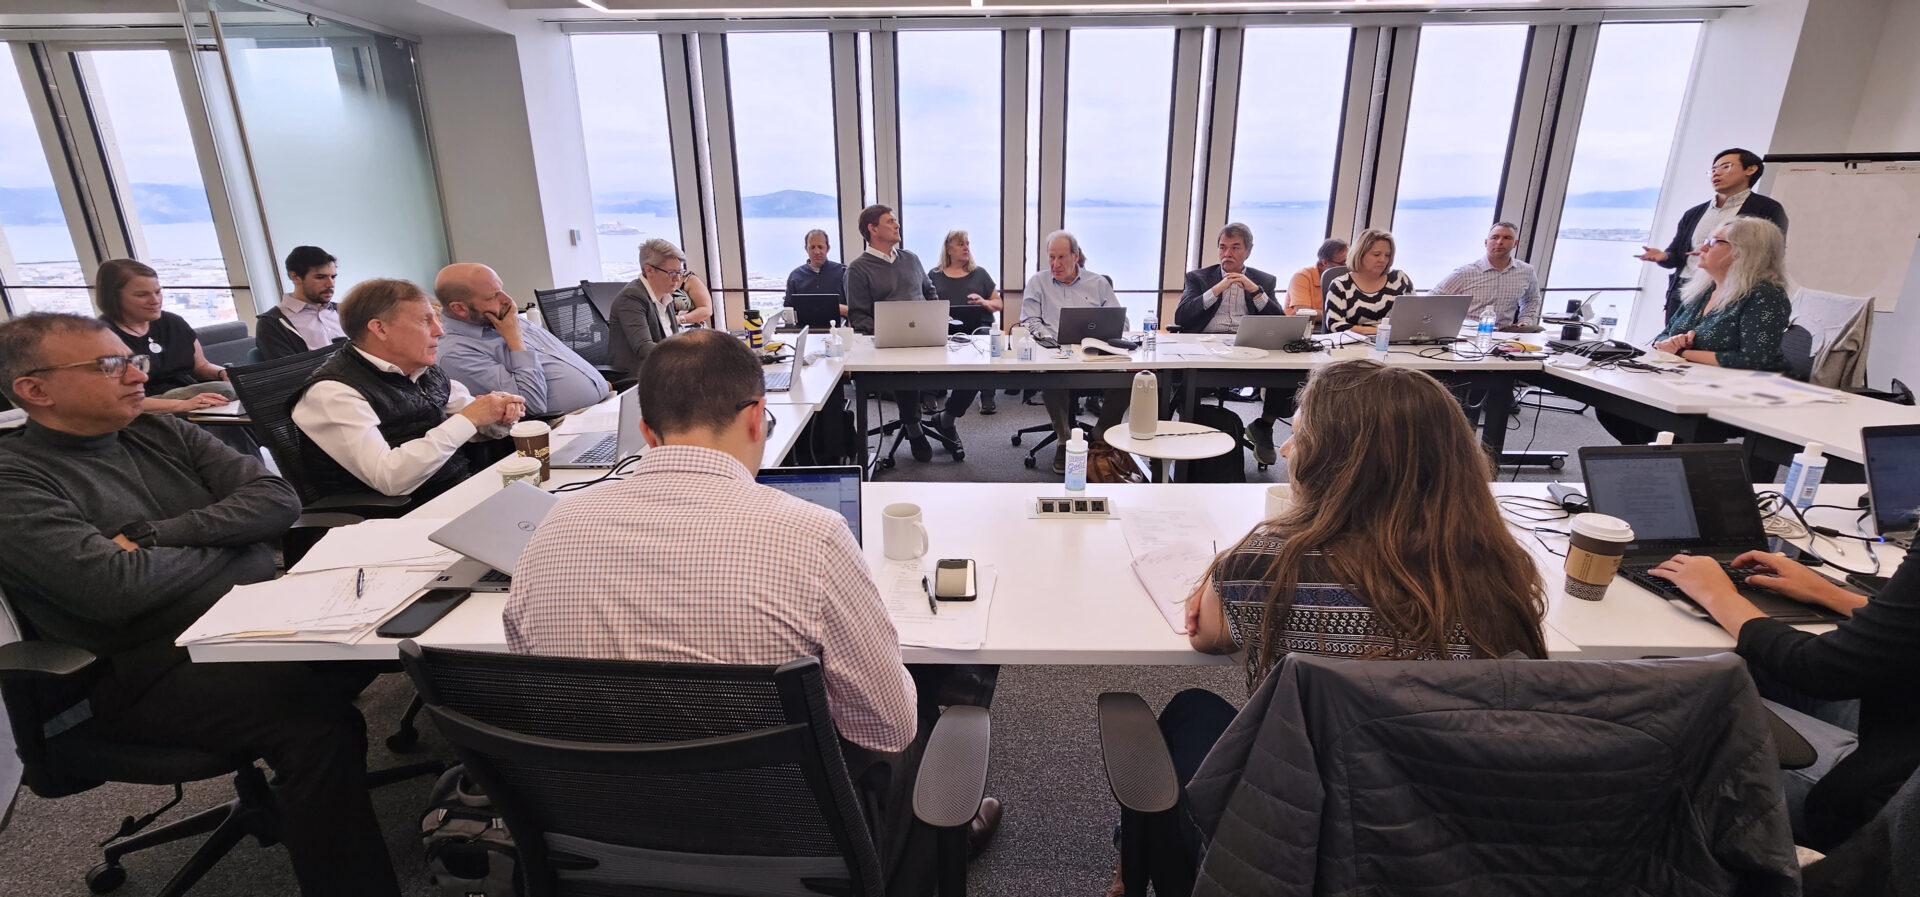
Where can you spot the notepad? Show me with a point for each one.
(397, 542)
(328, 606)
(1169, 574)
(960, 625)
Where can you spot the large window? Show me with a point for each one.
(135, 99)
(780, 86)
(1119, 95)
(39, 269)
(623, 112)
(950, 142)
(1465, 81)
(1626, 132)
(1292, 82)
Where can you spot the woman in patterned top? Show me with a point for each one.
(1392, 549)
(1735, 308)
(1359, 299)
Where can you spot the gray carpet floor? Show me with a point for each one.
(1057, 835)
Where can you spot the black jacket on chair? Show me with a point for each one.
(1194, 314)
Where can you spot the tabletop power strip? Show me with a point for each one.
(1068, 506)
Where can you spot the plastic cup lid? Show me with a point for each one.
(1603, 527)
(520, 464)
(528, 428)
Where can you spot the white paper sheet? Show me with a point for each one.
(324, 606)
(379, 543)
(1169, 573)
(1150, 528)
(960, 625)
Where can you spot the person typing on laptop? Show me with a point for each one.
(888, 272)
(1068, 284)
(1214, 301)
(1360, 299)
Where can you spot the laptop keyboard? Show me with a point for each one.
(779, 379)
(1771, 603)
(495, 576)
(601, 454)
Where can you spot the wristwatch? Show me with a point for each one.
(141, 533)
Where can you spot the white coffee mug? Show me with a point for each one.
(902, 536)
(1279, 499)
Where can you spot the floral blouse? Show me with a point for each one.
(1744, 333)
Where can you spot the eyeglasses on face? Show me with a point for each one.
(674, 273)
(112, 366)
(771, 420)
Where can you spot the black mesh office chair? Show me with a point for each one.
(569, 314)
(617, 777)
(1796, 348)
(225, 344)
(266, 390)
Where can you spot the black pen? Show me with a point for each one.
(931, 604)
(360, 582)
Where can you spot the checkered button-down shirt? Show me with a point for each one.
(1514, 292)
(690, 561)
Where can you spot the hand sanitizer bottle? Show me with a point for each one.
(1077, 462)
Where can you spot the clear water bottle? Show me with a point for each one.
(1077, 461)
(1383, 338)
(1483, 336)
(1023, 348)
(1150, 332)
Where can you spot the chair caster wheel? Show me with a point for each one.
(1016, 439)
(1031, 464)
(886, 463)
(106, 878)
(959, 455)
(1263, 467)
(1557, 464)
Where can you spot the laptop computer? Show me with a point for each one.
(1424, 318)
(1077, 324)
(820, 310)
(601, 448)
(1272, 331)
(909, 324)
(491, 535)
(780, 379)
(1686, 499)
(834, 488)
(1893, 480)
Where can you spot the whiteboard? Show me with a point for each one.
(1851, 226)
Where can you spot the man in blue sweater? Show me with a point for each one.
(820, 275)
(886, 272)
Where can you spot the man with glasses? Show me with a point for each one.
(1733, 175)
(487, 347)
(665, 299)
(124, 528)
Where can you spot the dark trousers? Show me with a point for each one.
(1277, 403)
(1113, 410)
(302, 721)
(909, 402)
(1168, 845)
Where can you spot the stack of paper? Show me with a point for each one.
(399, 542)
(340, 605)
(960, 625)
(1171, 550)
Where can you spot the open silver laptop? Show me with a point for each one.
(491, 535)
(1893, 480)
(780, 379)
(601, 448)
(1272, 331)
(1422, 318)
(909, 324)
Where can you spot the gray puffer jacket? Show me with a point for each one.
(1345, 777)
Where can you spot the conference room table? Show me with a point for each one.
(1065, 591)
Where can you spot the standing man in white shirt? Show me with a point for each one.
(381, 415)
(1498, 280)
(306, 318)
(1733, 175)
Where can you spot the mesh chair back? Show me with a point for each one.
(265, 389)
(689, 778)
(1327, 276)
(569, 314)
(602, 293)
(1796, 348)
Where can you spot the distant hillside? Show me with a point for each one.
(634, 205)
(789, 204)
(157, 204)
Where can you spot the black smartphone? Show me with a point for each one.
(425, 611)
(953, 580)
(1868, 584)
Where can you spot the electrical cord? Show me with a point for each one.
(613, 473)
(1773, 507)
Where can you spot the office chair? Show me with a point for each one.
(621, 777)
(225, 344)
(266, 389)
(1073, 418)
(1796, 348)
(1404, 749)
(570, 314)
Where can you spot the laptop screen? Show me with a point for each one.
(1893, 476)
(834, 488)
(1676, 497)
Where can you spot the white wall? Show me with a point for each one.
(1889, 122)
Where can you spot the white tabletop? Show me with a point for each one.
(1173, 440)
(1836, 426)
(812, 384)
(1174, 351)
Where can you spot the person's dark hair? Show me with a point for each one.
(1747, 160)
(870, 218)
(697, 380)
(375, 300)
(1329, 249)
(21, 338)
(1391, 487)
(306, 258)
(110, 282)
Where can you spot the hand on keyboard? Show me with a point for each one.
(1702, 578)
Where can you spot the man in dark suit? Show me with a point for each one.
(1734, 172)
(1217, 297)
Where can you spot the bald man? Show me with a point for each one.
(487, 346)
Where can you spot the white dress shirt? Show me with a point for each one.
(319, 325)
(340, 421)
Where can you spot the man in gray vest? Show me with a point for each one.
(381, 415)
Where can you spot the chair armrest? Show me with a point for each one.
(953, 770)
(356, 502)
(42, 660)
(1793, 748)
(326, 520)
(1139, 769)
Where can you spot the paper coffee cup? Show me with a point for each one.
(519, 467)
(1595, 544)
(530, 440)
(1279, 499)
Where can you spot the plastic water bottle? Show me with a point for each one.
(1383, 338)
(1483, 336)
(1077, 462)
(996, 344)
(1150, 332)
(1803, 478)
(1023, 344)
